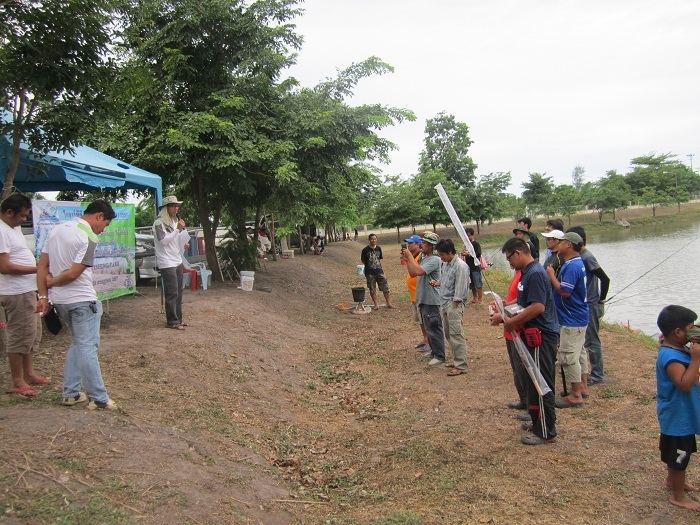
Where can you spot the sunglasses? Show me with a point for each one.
(511, 255)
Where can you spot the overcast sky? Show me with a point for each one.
(544, 85)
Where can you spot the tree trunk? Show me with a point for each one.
(478, 229)
(398, 234)
(272, 236)
(301, 241)
(16, 140)
(600, 216)
(434, 227)
(614, 217)
(209, 226)
(653, 210)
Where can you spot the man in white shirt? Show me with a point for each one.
(18, 303)
(65, 271)
(166, 233)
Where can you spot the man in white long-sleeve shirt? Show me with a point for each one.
(166, 233)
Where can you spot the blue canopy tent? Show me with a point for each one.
(84, 169)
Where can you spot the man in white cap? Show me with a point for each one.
(552, 238)
(166, 233)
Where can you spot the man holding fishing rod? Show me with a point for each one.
(537, 322)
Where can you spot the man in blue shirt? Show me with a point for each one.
(537, 322)
(572, 312)
(678, 397)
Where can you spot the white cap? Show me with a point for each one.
(554, 234)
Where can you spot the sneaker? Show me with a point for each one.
(435, 361)
(70, 401)
(517, 405)
(526, 425)
(420, 346)
(524, 416)
(425, 348)
(536, 440)
(109, 405)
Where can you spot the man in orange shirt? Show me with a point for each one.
(413, 242)
(519, 373)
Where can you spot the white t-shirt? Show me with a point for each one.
(12, 242)
(68, 243)
(167, 244)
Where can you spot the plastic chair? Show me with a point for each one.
(206, 277)
(192, 273)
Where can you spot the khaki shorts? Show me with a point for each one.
(21, 325)
(571, 355)
(377, 279)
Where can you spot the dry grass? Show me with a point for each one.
(278, 408)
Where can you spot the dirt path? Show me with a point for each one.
(276, 408)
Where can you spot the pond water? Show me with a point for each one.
(626, 254)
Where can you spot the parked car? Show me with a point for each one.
(145, 257)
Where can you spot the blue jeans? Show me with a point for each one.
(82, 365)
(430, 313)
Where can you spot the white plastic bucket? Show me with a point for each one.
(247, 280)
(360, 270)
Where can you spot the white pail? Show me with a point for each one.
(360, 270)
(247, 280)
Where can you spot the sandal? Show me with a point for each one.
(455, 372)
(184, 324)
(39, 380)
(177, 327)
(23, 391)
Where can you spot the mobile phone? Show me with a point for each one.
(404, 245)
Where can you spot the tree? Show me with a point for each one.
(538, 194)
(395, 205)
(566, 200)
(484, 200)
(608, 194)
(513, 206)
(662, 179)
(577, 176)
(446, 149)
(197, 100)
(55, 66)
(426, 197)
(333, 144)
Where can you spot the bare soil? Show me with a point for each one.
(274, 407)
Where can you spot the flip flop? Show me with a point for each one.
(455, 372)
(184, 324)
(25, 391)
(177, 327)
(39, 380)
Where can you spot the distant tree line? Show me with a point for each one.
(653, 180)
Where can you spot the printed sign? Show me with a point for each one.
(113, 273)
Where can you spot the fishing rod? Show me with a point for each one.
(653, 268)
(650, 290)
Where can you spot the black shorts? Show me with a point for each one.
(676, 450)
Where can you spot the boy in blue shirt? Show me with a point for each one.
(678, 398)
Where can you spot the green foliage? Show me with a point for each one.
(397, 205)
(661, 179)
(446, 149)
(55, 69)
(145, 212)
(578, 177)
(538, 194)
(427, 199)
(608, 194)
(566, 200)
(513, 206)
(485, 198)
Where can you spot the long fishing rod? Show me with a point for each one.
(653, 268)
(650, 290)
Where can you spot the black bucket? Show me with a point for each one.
(358, 294)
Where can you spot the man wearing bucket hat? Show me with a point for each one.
(166, 232)
(427, 296)
(413, 245)
(523, 233)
